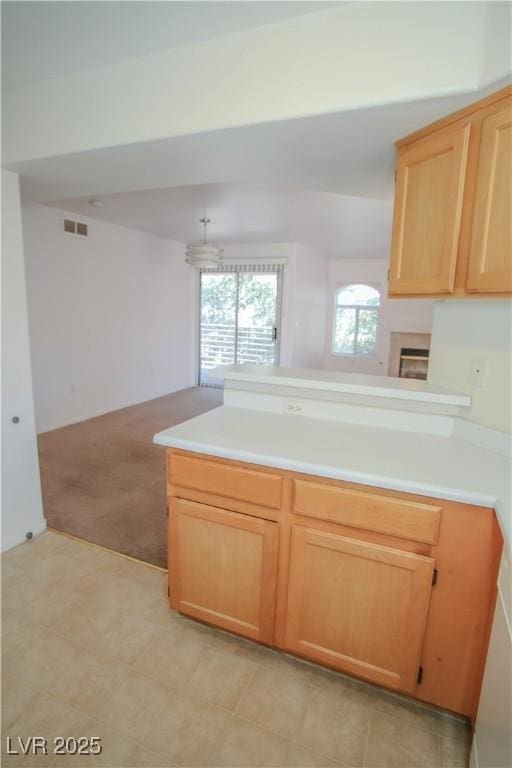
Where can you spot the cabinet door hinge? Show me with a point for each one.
(389, 274)
(420, 675)
(168, 591)
(396, 173)
(434, 577)
(167, 508)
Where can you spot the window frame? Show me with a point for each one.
(356, 307)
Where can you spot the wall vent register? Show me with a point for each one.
(75, 227)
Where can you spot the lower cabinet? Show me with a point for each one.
(358, 606)
(222, 568)
(337, 573)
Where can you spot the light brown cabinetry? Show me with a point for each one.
(223, 568)
(358, 606)
(428, 209)
(490, 250)
(338, 573)
(452, 215)
(370, 511)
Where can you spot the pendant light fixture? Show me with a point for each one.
(203, 254)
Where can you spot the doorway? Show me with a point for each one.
(238, 318)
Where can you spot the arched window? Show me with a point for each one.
(356, 317)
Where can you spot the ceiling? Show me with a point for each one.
(349, 153)
(334, 225)
(324, 181)
(45, 40)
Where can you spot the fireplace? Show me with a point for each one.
(408, 355)
(413, 363)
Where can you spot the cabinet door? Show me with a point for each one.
(358, 606)
(490, 251)
(428, 207)
(222, 568)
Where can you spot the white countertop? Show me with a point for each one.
(442, 467)
(353, 383)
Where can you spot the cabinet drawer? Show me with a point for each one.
(371, 512)
(225, 480)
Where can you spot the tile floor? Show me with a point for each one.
(90, 648)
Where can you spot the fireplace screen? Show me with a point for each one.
(413, 363)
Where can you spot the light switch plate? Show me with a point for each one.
(477, 372)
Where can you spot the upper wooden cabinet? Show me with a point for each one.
(428, 210)
(490, 250)
(452, 217)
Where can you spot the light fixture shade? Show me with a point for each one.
(203, 254)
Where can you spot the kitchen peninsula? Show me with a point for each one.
(353, 523)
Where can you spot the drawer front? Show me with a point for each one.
(231, 482)
(368, 511)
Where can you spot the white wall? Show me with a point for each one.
(304, 309)
(314, 64)
(407, 315)
(465, 330)
(258, 251)
(112, 317)
(21, 490)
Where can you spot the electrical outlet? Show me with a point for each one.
(292, 407)
(477, 372)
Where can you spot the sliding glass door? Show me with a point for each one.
(238, 319)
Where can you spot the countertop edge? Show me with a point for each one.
(334, 473)
(439, 398)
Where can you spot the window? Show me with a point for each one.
(356, 317)
(239, 312)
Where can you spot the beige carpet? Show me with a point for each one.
(104, 481)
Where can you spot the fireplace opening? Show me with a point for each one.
(413, 363)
